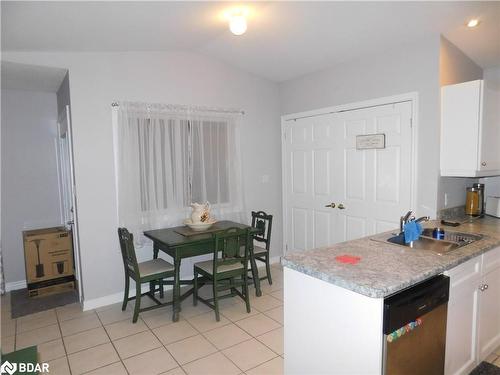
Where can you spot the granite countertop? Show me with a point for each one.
(385, 269)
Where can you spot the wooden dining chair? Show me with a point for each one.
(152, 271)
(227, 270)
(264, 223)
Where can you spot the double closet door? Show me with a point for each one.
(338, 190)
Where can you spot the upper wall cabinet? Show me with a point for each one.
(470, 130)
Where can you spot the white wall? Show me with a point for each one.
(30, 190)
(454, 67)
(98, 79)
(413, 67)
(492, 184)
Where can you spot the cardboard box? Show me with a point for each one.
(48, 255)
(59, 286)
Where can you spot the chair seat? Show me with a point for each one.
(208, 267)
(155, 266)
(259, 250)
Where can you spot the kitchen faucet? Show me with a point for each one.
(409, 217)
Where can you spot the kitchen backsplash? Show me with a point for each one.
(452, 213)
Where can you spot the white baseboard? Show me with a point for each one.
(118, 297)
(275, 260)
(15, 285)
(102, 301)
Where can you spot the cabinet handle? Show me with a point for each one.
(481, 288)
(485, 286)
(341, 206)
(331, 205)
(483, 164)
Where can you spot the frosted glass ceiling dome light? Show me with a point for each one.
(238, 24)
(473, 23)
(237, 18)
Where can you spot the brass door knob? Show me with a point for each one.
(331, 205)
(341, 206)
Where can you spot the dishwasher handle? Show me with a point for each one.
(410, 304)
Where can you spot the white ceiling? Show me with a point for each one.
(284, 39)
(31, 77)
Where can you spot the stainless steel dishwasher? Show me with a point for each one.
(415, 329)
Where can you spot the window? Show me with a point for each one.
(209, 161)
(167, 159)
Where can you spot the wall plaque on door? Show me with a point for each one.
(370, 141)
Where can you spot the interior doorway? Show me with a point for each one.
(39, 241)
(67, 190)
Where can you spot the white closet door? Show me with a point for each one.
(376, 187)
(310, 182)
(323, 166)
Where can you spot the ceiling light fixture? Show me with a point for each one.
(238, 21)
(472, 23)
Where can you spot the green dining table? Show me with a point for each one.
(180, 246)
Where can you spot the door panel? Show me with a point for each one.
(387, 179)
(299, 165)
(299, 219)
(383, 226)
(323, 166)
(355, 227)
(355, 172)
(322, 232)
(489, 314)
(322, 169)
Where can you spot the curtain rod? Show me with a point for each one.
(201, 109)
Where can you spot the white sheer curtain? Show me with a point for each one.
(169, 156)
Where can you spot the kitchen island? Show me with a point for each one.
(334, 311)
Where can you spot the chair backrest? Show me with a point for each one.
(264, 223)
(227, 247)
(128, 251)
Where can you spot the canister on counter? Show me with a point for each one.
(438, 233)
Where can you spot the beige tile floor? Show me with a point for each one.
(104, 341)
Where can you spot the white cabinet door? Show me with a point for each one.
(489, 313)
(460, 116)
(461, 328)
(370, 188)
(490, 130)
(470, 130)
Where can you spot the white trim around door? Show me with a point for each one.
(286, 120)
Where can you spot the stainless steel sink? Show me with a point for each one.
(451, 241)
(456, 237)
